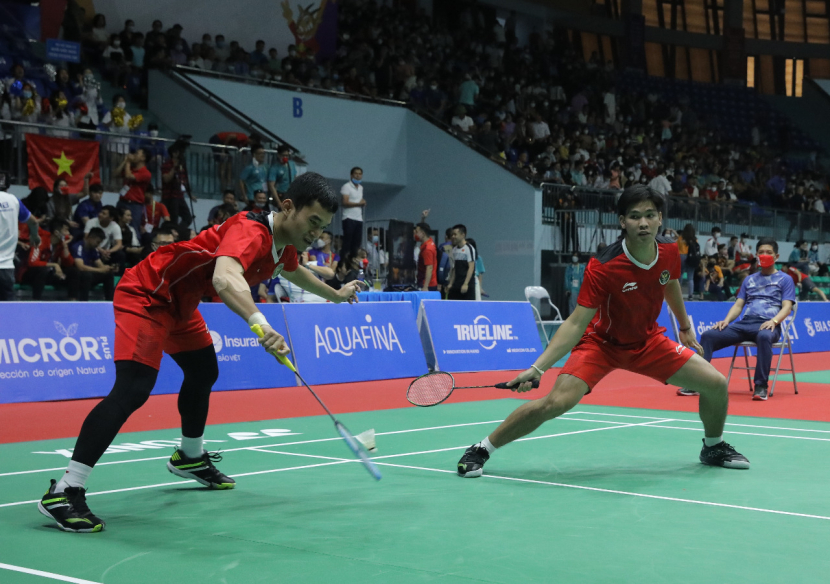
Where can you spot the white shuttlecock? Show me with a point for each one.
(367, 438)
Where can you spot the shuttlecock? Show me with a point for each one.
(367, 438)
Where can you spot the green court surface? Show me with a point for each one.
(808, 377)
(600, 495)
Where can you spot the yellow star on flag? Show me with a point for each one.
(64, 164)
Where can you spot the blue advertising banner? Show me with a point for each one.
(64, 350)
(481, 336)
(58, 50)
(340, 343)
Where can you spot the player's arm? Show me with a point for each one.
(34, 236)
(303, 278)
(563, 341)
(471, 270)
(427, 278)
(229, 283)
(674, 298)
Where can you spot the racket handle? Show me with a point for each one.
(504, 385)
(281, 358)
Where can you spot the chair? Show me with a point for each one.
(540, 294)
(784, 343)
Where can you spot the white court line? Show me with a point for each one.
(699, 422)
(616, 492)
(747, 433)
(22, 472)
(49, 575)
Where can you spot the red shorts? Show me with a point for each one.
(142, 333)
(659, 358)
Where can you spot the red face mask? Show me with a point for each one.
(64, 190)
(766, 260)
(284, 159)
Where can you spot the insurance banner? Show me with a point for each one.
(341, 343)
(480, 336)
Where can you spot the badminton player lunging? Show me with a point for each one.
(614, 327)
(156, 310)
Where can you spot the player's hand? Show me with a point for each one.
(464, 288)
(348, 293)
(769, 325)
(273, 342)
(524, 381)
(720, 325)
(688, 338)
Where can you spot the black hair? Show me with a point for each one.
(120, 211)
(166, 229)
(462, 228)
(472, 242)
(330, 234)
(310, 187)
(111, 210)
(257, 147)
(284, 148)
(116, 97)
(718, 229)
(351, 172)
(58, 181)
(448, 232)
(637, 194)
(423, 227)
(146, 152)
(97, 232)
(767, 241)
(96, 188)
(228, 191)
(57, 224)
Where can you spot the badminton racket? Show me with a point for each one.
(357, 447)
(433, 388)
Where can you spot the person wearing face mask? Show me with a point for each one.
(711, 247)
(115, 61)
(769, 296)
(427, 279)
(574, 275)
(259, 204)
(62, 200)
(254, 176)
(353, 204)
(800, 255)
(281, 174)
(325, 258)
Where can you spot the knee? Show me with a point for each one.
(205, 374)
(557, 403)
(765, 337)
(714, 384)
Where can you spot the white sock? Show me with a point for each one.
(75, 476)
(192, 447)
(486, 444)
(712, 441)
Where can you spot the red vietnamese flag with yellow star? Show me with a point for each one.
(50, 158)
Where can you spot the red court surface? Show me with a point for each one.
(47, 420)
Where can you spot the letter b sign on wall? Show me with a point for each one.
(298, 107)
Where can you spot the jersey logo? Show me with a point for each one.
(664, 277)
(679, 349)
(629, 286)
(751, 284)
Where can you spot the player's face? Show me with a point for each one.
(307, 224)
(643, 221)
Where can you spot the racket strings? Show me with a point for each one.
(430, 389)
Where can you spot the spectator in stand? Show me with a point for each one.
(689, 250)
(427, 280)
(118, 120)
(111, 248)
(711, 248)
(259, 204)
(353, 204)
(61, 202)
(714, 283)
(281, 174)
(175, 185)
(800, 256)
(816, 266)
(254, 177)
(258, 58)
(325, 259)
(161, 237)
(345, 272)
(89, 207)
(228, 198)
(463, 270)
(48, 263)
(89, 269)
(13, 213)
(58, 115)
(137, 179)
(660, 182)
(804, 283)
(155, 214)
(574, 276)
(462, 121)
(97, 39)
(468, 92)
(478, 276)
(223, 156)
(225, 212)
(116, 66)
(129, 238)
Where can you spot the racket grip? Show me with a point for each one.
(257, 330)
(504, 385)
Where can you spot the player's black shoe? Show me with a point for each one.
(200, 469)
(69, 510)
(723, 455)
(684, 391)
(472, 463)
(761, 393)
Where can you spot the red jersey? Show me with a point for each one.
(47, 254)
(136, 186)
(154, 213)
(628, 295)
(176, 277)
(428, 257)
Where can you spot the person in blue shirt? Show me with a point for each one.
(574, 274)
(88, 208)
(769, 296)
(255, 175)
(281, 174)
(89, 270)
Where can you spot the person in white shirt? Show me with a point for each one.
(711, 248)
(111, 249)
(661, 184)
(12, 212)
(353, 204)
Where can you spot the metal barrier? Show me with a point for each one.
(593, 211)
(211, 168)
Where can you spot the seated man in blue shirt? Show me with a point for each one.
(88, 208)
(89, 270)
(769, 296)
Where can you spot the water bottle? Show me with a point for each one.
(361, 277)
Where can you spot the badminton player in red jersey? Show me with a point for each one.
(156, 310)
(614, 327)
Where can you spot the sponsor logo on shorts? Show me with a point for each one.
(629, 286)
(679, 349)
(664, 277)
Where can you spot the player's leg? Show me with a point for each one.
(566, 393)
(191, 347)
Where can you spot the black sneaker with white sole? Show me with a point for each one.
(684, 391)
(761, 393)
(200, 469)
(69, 510)
(471, 464)
(724, 455)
